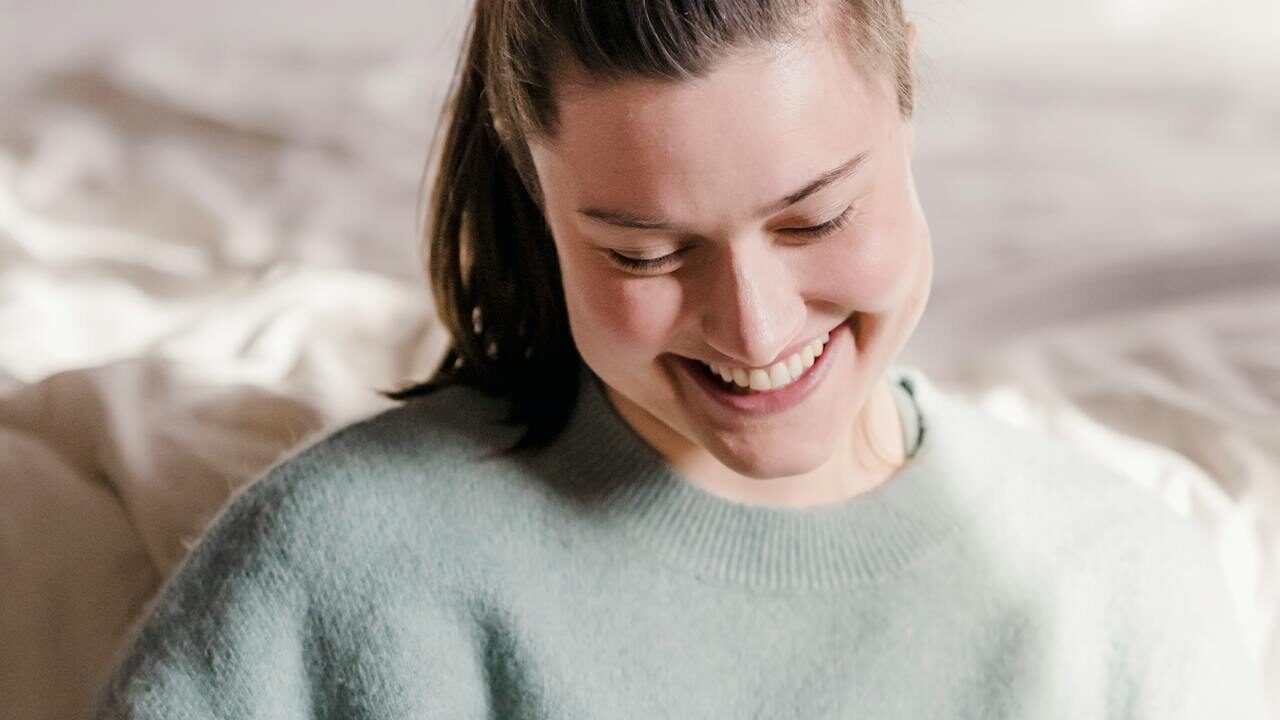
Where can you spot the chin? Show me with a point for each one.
(767, 459)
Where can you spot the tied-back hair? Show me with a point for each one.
(491, 259)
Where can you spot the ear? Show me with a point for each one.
(499, 127)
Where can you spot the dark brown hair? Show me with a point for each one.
(491, 259)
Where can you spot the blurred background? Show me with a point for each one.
(208, 254)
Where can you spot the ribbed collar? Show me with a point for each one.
(861, 540)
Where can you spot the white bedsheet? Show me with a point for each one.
(205, 257)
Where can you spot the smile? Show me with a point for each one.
(754, 392)
(776, 376)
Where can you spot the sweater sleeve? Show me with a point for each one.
(1187, 657)
(227, 636)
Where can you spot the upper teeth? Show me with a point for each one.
(778, 375)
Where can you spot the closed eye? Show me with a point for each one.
(829, 227)
(646, 265)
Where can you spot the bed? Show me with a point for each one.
(207, 256)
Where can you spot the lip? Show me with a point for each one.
(775, 401)
(793, 350)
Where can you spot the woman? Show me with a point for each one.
(669, 468)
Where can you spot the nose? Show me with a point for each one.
(753, 310)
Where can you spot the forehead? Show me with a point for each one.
(762, 122)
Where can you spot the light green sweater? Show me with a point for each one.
(387, 571)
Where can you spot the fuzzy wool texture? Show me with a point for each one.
(388, 570)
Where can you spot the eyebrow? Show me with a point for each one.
(623, 218)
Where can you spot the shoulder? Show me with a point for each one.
(419, 442)
(1075, 522)
(361, 534)
(411, 483)
(1043, 484)
(1107, 555)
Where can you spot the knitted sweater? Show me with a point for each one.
(389, 571)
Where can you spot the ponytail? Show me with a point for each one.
(493, 268)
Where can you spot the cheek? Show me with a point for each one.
(616, 317)
(873, 268)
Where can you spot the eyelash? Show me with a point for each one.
(829, 227)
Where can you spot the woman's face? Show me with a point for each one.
(772, 203)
